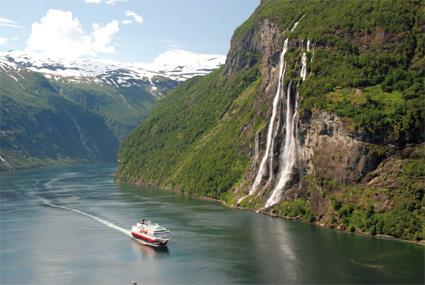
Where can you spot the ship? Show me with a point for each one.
(150, 233)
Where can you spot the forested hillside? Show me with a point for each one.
(359, 118)
(41, 127)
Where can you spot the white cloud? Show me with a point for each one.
(136, 17)
(3, 41)
(59, 34)
(126, 21)
(15, 38)
(102, 36)
(112, 2)
(5, 22)
(108, 2)
(186, 58)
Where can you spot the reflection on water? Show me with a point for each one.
(64, 225)
(149, 251)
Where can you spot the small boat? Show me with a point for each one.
(150, 233)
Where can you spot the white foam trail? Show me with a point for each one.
(102, 221)
(263, 163)
(289, 154)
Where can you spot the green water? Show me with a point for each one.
(44, 243)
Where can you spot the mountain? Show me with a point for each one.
(41, 127)
(60, 111)
(176, 65)
(317, 115)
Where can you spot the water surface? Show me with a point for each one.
(69, 225)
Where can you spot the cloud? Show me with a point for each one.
(3, 41)
(112, 2)
(5, 22)
(108, 2)
(178, 57)
(59, 34)
(15, 38)
(136, 17)
(102, 36)
(126, 21)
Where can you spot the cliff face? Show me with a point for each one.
(317, 115)
(330, 152)
(356, 185)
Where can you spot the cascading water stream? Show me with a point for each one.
(289, 155)
(296, 24)
(303, 72)
(271, 136)
(266, 155)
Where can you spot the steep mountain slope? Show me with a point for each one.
(47, 93)
(39, 127)
(318, 115)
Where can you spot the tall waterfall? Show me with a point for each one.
(262, 168)
(288, 158)
(289, 155)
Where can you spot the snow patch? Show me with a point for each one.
(177, 65)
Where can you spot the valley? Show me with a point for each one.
(57, 111)
(212, 142)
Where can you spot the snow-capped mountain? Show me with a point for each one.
(177, 65)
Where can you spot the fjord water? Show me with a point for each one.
(68, 225)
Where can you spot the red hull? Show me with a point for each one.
(147, 239)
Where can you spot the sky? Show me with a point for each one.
(121, 30)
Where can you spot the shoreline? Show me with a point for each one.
(317, 224)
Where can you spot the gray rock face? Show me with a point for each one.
(328, 150)
(263, 39)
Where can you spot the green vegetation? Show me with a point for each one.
(40, 127)
(386, 115)
(298, 209)
(200, 150)
(122, 108)
(398, 210)
(404, 220)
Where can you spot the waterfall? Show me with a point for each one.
(262, 168)
(303, 72)
(288, 159)
(273, 130)
(308, 45)
(296, 23)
